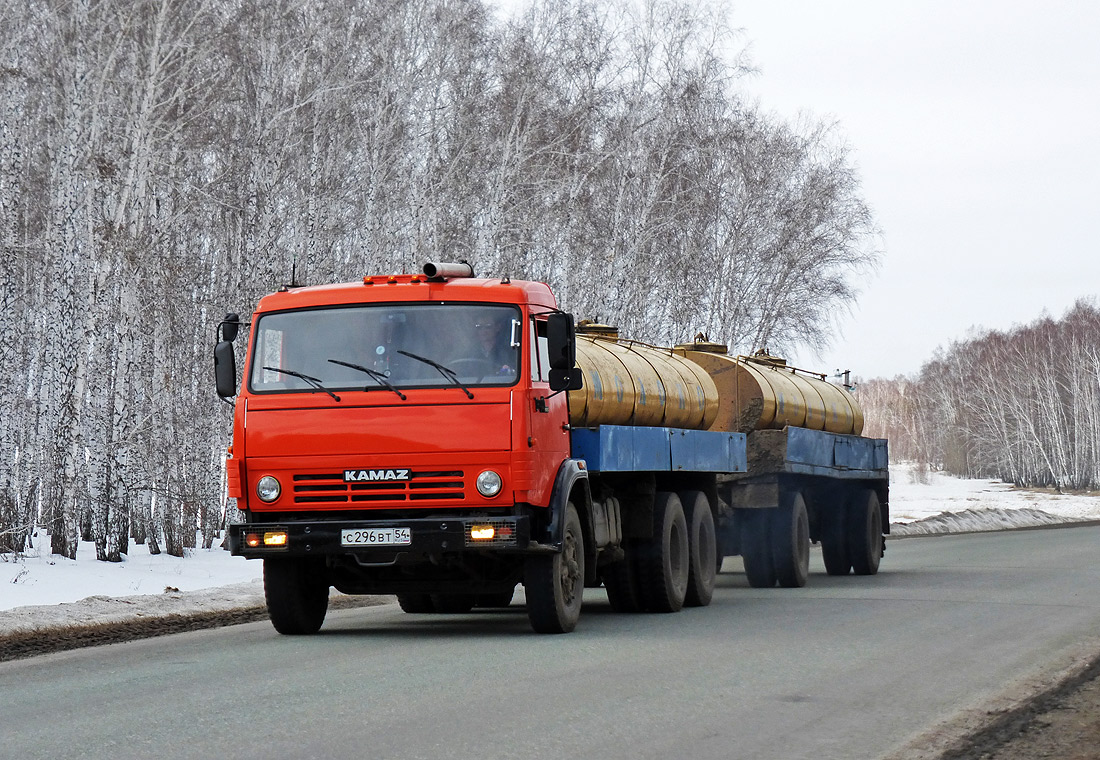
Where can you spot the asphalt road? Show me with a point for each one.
(845, 668)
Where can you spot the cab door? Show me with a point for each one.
(547, 441)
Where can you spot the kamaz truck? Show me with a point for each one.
(447, 438)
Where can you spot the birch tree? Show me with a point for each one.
(162, 162)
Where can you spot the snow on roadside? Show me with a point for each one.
(98, 609)
(41, 578)
(934, 503)
(39, 590)
(43, 590)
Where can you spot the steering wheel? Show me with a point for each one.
(472, 366)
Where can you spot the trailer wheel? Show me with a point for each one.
(663, 561)
(756, 547)
(452, 604)
(555, 583)
(865, 532)
(702, 548)
(416, 603)
(790, 539)
(620, 580)
(834, 542)
(296, 592)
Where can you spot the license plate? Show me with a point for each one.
(376, 536)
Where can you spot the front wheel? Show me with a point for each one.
(499, 599)
(416, 603)
(296, 591)
(554, 583)
(452, 604)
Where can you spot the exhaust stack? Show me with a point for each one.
(441, 270)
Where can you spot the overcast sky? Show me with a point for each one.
(976, 129)
(975, 125)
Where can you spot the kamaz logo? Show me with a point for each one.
(355, 476)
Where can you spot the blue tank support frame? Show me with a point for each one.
(620, 448)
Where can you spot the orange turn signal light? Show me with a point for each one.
(272, 539)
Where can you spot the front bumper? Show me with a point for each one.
(430, 537)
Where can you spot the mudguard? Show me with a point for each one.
(569, 473)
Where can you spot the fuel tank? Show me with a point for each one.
(761, 392)
(630, 383)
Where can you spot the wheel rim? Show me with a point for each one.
(569, 569)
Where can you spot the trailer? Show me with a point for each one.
(447, 438)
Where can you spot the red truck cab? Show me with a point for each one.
(400, 435)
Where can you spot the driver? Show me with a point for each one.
(494, 344)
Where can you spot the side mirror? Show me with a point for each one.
(566, 379)
(229, 326)
(561, 341)
(225, 369)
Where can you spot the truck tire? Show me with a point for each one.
(865, 532)
(834, 541)
(453, 604)
(702, 548)
(620, 580)
(663, 561)
(416, 603)
(756, 547)
(296, 591)
(790, 539)
(500, 599)
(554, 583)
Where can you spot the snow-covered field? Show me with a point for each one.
(44, 578)
(49, 589)
(932, 502)
(40, 591)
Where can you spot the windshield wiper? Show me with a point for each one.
(447, 372)
(311, 380)
(377, 376)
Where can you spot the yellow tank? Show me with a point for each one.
(628, 383)
(699, 386)
(761, 392)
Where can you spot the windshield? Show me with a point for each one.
(386, 348)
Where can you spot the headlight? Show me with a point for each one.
(268, 489)
(489, 483)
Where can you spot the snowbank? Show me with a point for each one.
(41, 578)
(42, 590)
(932, 503)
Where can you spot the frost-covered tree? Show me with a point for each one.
(164, 162)
(1021, 405)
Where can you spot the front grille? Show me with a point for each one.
(330, 488)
